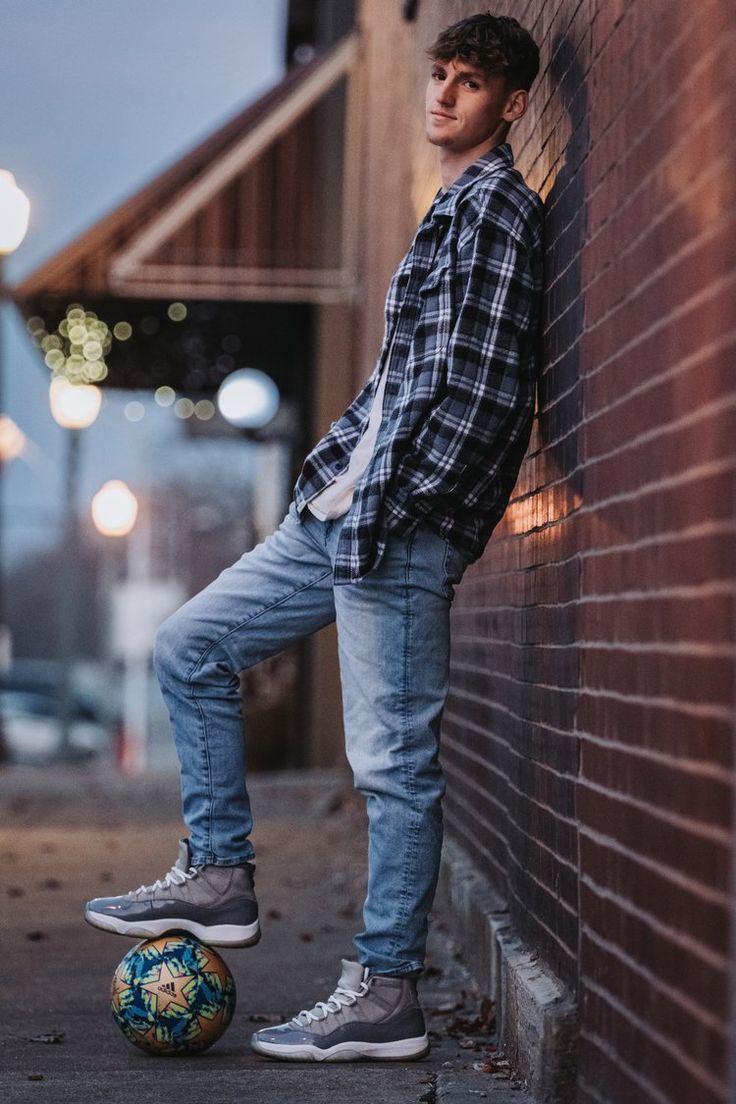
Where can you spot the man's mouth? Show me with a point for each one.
(441, 115)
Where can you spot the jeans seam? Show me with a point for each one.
(203, 735)
(406, 759)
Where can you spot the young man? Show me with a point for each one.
(390, 507)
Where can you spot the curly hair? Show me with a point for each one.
(494, 43)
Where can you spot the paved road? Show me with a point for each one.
(68, 835)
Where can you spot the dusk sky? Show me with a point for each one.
(104, 96)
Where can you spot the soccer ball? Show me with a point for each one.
(172, 995)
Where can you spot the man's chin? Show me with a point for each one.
(436, 139)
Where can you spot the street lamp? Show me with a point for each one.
(74, 406)
(15, 209)
(115, 513)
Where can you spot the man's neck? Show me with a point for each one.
(452, 165)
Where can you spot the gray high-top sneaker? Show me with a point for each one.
(215, 903)
(368, 1016)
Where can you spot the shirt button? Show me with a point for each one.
(339, 465)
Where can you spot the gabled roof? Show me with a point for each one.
(258, 210)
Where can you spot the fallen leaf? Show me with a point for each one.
(50, 883)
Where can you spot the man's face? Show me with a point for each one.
(464, 105)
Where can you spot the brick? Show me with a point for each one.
(669, 788)
(647, 1059)
(667, 865)
(664, 727)
(697, 973)
(666, 1011)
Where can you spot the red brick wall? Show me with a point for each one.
(589, 731)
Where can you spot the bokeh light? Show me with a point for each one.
(77, 349)
(165, 395)
(204, 409)
(114, 509)
(248, 398)
(134, 411)
(183, 408)
(177, 312)
(12, 439)
(74, 405)
(15, 209)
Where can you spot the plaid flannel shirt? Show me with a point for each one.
(461, 319)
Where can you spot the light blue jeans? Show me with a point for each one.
(393, 631)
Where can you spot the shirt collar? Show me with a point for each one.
(488, 163)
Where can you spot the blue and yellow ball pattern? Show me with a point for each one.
(172, 995)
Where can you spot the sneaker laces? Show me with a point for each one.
(341, 996)
(175, 876)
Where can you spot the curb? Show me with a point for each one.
(536, 1016)
(460, 1088)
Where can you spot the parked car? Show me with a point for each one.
(29, 719)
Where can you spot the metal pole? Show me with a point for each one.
(5, 648)
(4, 629)
(2, 461)
(67, 640)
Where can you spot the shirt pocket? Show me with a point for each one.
(434, 280)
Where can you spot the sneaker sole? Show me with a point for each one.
(401, 1050)
(217, 935)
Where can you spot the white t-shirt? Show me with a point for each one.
(336, 497)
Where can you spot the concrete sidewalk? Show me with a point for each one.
(72, 834)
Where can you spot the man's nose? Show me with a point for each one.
(446, 95)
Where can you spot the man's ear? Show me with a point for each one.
(516, 105)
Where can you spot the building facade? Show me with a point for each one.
(589, 732)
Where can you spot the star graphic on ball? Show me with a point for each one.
(168, 988)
